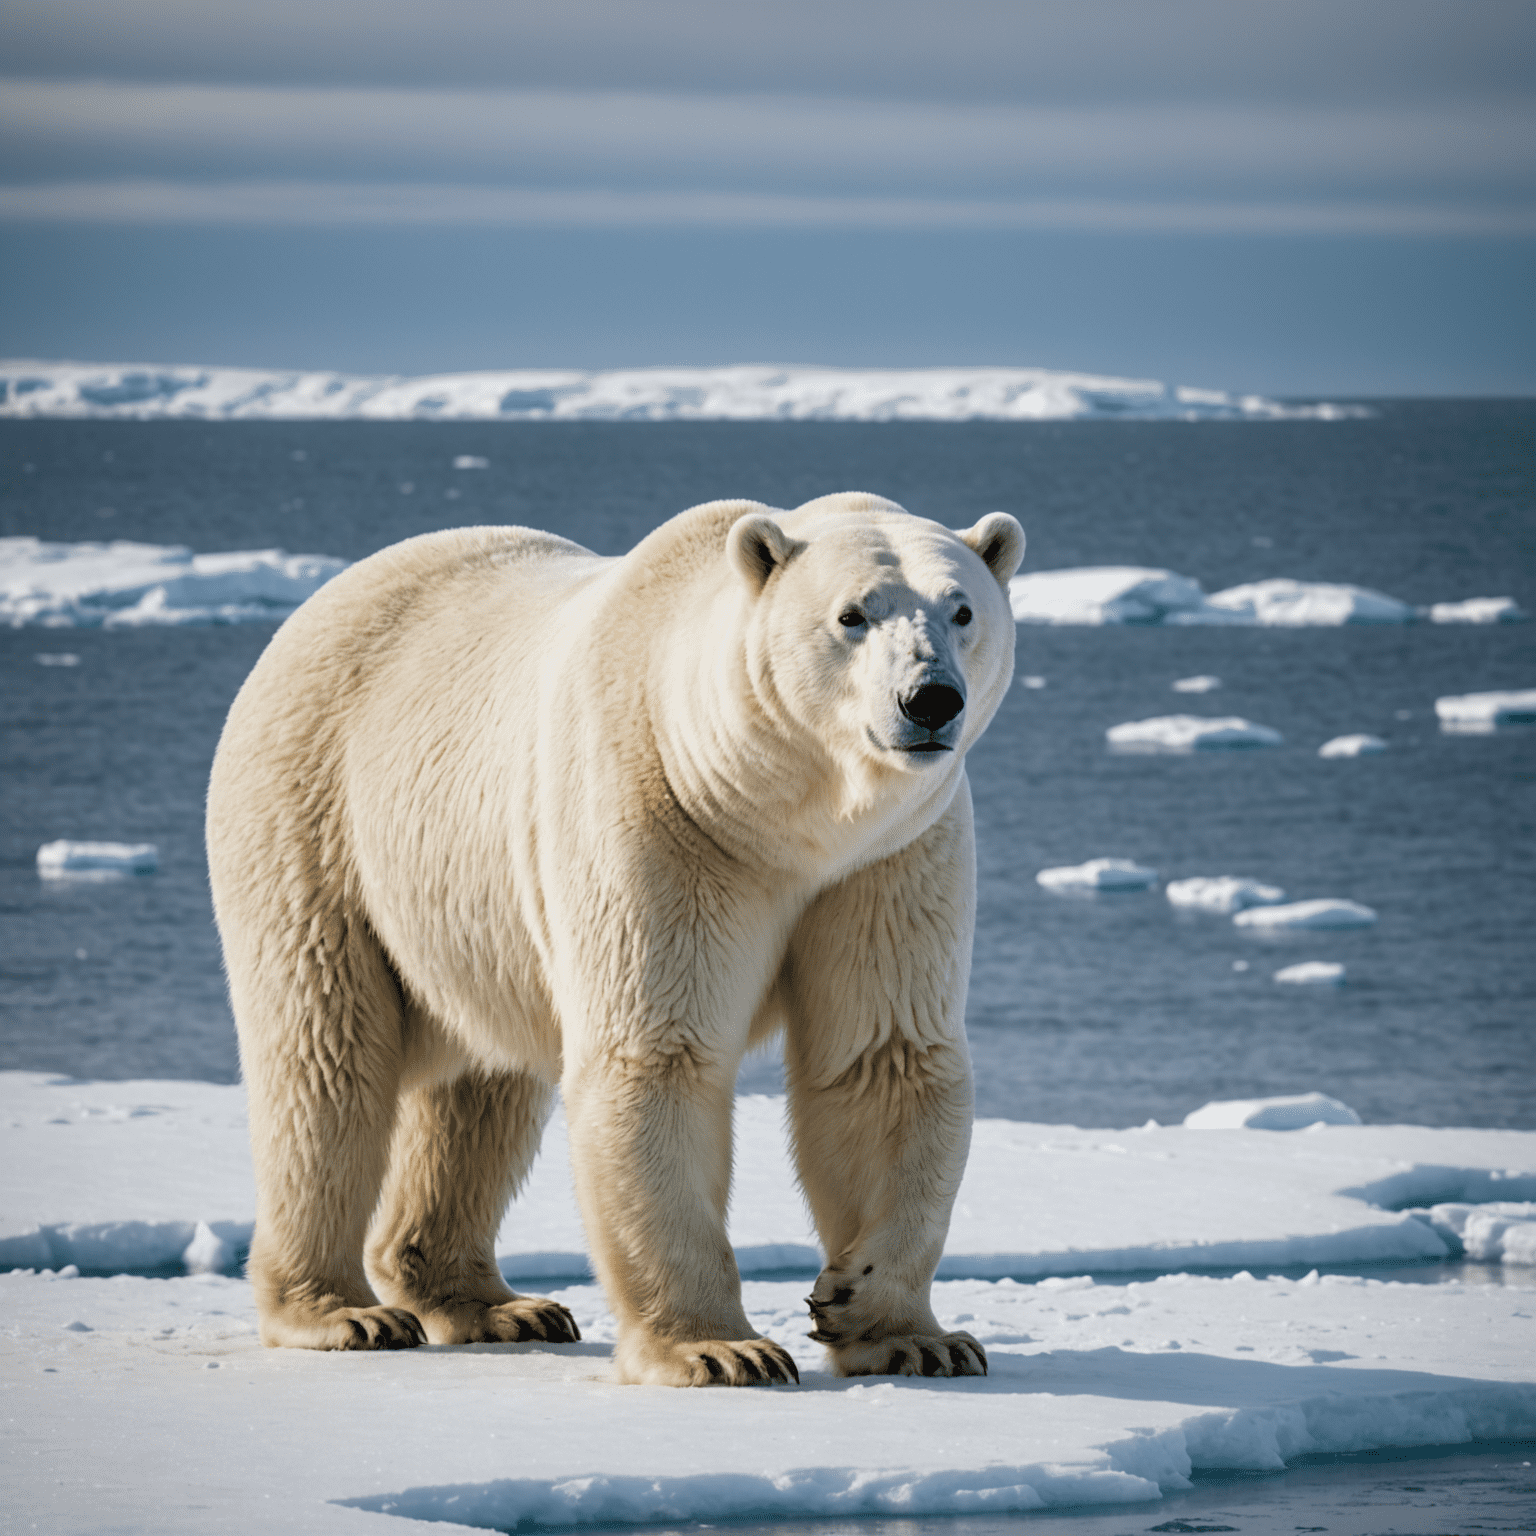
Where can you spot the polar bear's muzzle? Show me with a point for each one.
(930, 717)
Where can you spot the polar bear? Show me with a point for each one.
(493, 814)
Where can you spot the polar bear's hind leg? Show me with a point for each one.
(460, 1152)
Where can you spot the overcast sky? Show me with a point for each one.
(1292, 196)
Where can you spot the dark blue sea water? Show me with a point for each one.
(1102, 1012)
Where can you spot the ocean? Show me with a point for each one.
(1105, 1011)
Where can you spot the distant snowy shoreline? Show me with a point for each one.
(755, 392)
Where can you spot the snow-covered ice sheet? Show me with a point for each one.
(1103, 594)
(1190, 733)
(1225, 894)
(148, 1405)
(121, 585)
(1098, 875)
(741, 393)
(1359, 745)
(1478, 713)
(1322, 912)
(1283, 603)
(1290, 1112)
(1498, 1232)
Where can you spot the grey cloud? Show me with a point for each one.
(766, 144)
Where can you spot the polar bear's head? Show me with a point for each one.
(887, 635)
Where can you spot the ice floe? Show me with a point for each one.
(471, 461)
(1204, 683)
(121, 585)
(1498, 1232)
(1290, 1112)
(63, 859)
(1479, 713)
(1352, 746)
(742, 393)
(1312, 973)
(1478, 610)
(1190, 733)
(1225, 894)
(1106, 594)
(1325, 912)
(1098, 875)
(1286, 604)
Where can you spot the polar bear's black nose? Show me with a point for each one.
(932, 705)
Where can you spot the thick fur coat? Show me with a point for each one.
(493, 814)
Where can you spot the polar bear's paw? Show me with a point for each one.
(936, 1354)
(713, 1363)
(344, 1328)
(523, 1319)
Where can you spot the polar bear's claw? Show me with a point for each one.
(518, 1320)
(947, 1354)
(749, 1363)
(378, 1328)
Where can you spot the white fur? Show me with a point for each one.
(494, 814)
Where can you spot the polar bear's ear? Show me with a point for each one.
(999, 540)
(757, 546)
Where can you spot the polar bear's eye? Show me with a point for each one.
(850, 618)
(962, 615)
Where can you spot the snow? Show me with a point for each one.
(742, 393)
(1352, 746)
(1098, 875)
(1326, 912)
(117, 585)
(1312, 973)
(1291, 604)
(1221, 893)
(1100, 1392)
(1479, 713)
(63, 859)
(1190, 733)
(1204, 683)
(1293, 1112)
(1478, 610)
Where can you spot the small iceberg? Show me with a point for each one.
(1326, 912)
(1478, 610)
(1225, 894)
(1352, 746)
(1098, 875)
(471, 461)
(1292, 1113)
(1312, 973)
(64, 860)
(1498, 1232)
(1190, 733)
(1477, 714)
(1201, 684)
(1102, 594)
(1285, 604)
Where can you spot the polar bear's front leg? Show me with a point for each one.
(651, 1153)
(881, 1097)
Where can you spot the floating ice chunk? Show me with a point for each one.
(471, 461)
(1351, 746)
(207, 1253)
(1190, 733)
(1479, 713)
(1477, 610)
(64, 860)
(1102, 594)
(1293, 604)
(125, 584)
(1032, 682)
(1313, 973)
(1098, 875)
(1324, 913)
(1221, 893)
(1294, 1112)
(56, 659)
(1499, 1232)
(1202, 684)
